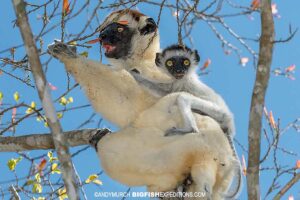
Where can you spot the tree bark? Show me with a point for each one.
(258, 99)
(44, 141)
(293, 181)
(45, 97)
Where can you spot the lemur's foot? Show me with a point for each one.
(59, 49)
(184, 186)
(228, 128)
(180, 131)
(207, 191)
(97, 137)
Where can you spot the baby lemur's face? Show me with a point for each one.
(177, 60)
(177, 66)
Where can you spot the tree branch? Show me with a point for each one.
(294, 180)
(258, 98)
(45, 97)
(44, 141)
(15, 195)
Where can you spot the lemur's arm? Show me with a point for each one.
(161, 89)
(105, 86)
(187, 103)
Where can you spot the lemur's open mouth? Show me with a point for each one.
(179, 76)
(108, 48)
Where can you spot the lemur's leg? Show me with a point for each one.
(188, 102)
(190, 125)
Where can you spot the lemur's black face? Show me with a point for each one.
(116, 40)
(178, 66)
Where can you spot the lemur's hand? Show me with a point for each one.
(136, 75)
(227, 125)
(60, 50)
(97, 137)
(181, 131)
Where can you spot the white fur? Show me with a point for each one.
(160, 162)
(139, 154)
(202, 98)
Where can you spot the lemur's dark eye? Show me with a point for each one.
(169, 63)
(186, 62)
(120, 29)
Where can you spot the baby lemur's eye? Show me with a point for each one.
(120, 29)
(169, 63)
(186, 62)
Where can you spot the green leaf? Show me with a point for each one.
(50, 156)
(37, 188)
(29, 182)
(12, 163)
(63, 101)
(1, 96)
(98, 182)
(93, 178)
(74, 43)
(54, 169)
(38, 177)
(62, 194)
(16, 96)
(85, 54)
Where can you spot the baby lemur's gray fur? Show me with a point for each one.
(181, 62)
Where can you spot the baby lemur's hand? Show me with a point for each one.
(227, 125)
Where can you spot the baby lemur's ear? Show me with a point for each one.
(197, 57)
(158, 59)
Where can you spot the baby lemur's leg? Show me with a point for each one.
(186, 103)
(190, 125)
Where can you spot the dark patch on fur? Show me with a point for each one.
(157, 59)
(176, 47)
(150, 27)
(197, 57)
(98, 136)
(135, 71)
(121, 40)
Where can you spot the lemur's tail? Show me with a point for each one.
(238, 182)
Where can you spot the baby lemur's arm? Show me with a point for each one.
(161, 89)
(186, 103)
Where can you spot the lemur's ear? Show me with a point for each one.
(197, 57)
(150, 27)
(158, 59)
